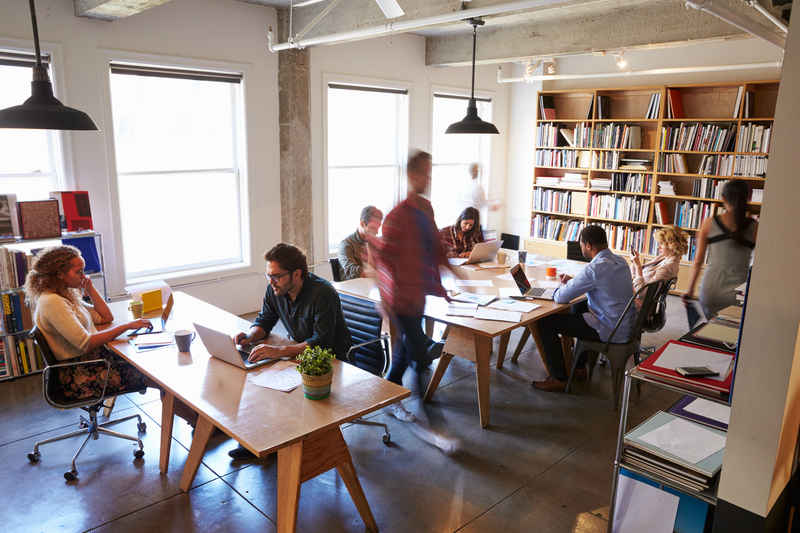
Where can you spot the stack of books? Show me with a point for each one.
(662, 365)
(741, 291)
(628, 163)
(573, 180)
(666, 188)
(601, 184)
(548, 181)
(730, 316)
(758, 196)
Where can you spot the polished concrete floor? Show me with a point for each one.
(544, 464)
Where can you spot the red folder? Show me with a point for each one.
(706, 385)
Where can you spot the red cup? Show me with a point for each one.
(551, 272)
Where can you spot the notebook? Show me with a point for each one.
(221, 346)
(157, 325)
(518, 273)
(718, 333)
(483, 252)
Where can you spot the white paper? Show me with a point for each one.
(473, 283)
(137, 290)
(548, 284)
(473, 298)
(457, 261)
(153, 338)
(461, 309)
(713, 410)
(487, 313)
(493, 264)
(514, 305)
(640, 507)
(281, 376)
(676, 355)
(682, 438)
(508, 292)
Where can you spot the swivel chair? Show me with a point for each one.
(658, 319)
(371, 349)
(54, 395)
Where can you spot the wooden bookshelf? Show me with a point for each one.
(709, 111)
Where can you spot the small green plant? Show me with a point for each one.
(315, 361)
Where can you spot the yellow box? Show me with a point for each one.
(151, 300)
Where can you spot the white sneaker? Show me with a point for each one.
(447, 445)
(399, 412)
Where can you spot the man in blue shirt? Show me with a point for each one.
(606, 281)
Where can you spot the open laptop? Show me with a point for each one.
(221, 346)
(159, 324)
(540, 293)
(482, 252)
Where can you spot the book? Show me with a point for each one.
(9, 220)
(702, 411)
(547, 107)
(749, 104)
(662, 364)
(568, 136)
(151, 300)
(75, 214)
(675, 99)
(738, 103)
(662, 213)
(603, 107)
(39, 219)
(718, 333)
(591, 108)
(88, 250)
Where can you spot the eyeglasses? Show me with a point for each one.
(275, 278)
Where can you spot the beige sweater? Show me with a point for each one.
(67, 329)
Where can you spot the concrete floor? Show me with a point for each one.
(544, 464)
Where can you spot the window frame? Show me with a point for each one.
(244, 159)
(401, 187)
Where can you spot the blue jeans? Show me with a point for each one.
(410, 346)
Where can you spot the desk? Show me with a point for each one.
(305, 433)
(469, 338)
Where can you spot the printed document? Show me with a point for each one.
(487, 313)
(691, 442)
(281, 376)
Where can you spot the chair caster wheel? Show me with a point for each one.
(33, 457)
(142, 427)
(83, 425)
(72, 475)
(138, 454)
(387, 439)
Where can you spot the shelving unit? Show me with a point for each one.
(629, 214)
(15, 316)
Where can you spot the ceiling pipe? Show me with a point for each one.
(406, 25)
(764, 11)
(617, 74)
(744, 23)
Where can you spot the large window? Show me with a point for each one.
(179, 148)
(367, 148)
(29, 159)
(451, 184)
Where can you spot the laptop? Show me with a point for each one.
(159, 324)
(540, 293)
(221, 346)
(482, 252)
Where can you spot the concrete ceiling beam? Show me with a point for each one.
(110, 10)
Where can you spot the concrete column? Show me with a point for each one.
(295, 142)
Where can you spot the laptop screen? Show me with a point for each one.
(518, 273)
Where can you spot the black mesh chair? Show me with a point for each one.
(656, 322)
(618, 353)
(54, 395)
(574, 252)
(335, 269)
(510, 242)
(371, 349)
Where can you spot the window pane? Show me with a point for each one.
(450, 188)
(29, 187)
(177, 124)
(366, 127)
(350, 191)
(172, 220)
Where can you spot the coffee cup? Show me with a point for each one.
(523, 257)
(502, 257)
(184, 338)
(136, 309)
(551, 272)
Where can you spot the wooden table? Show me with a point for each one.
(470, 338)
(305, 433)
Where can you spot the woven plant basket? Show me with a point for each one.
(317, 387)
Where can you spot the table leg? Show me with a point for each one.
(566, 347)
(202, 436)
(348, 472)
(483, 346)
(441, 367)
(429, 324)
(501, 351)
(526, 334)
(289, 461)
(533, 328)
(167, 417)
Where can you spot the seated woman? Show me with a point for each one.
(68, 324)
(672, 245)
(460, 238)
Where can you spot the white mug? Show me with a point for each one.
(502, 257)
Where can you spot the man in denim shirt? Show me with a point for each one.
(606, 281)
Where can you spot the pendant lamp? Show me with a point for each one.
(472, 123)
(43, 111)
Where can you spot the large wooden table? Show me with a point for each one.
(471, 338)
(305, 433)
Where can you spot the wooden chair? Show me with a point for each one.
(54, 395)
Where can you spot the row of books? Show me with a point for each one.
(39, 219)
(750, 166)
(17, 315)
(754, 138)
(557, 158)
(673, 163)
(553, 201)
(19, 356)
(698, 137)
(555, 134)
(617, 136)
(624, 237)
(16, 259)
(691, 244)
(573, 180)
(708, 188)
(654, 106)
(554, 229)
(716, 165)
(619, 207)
(632, 182)
(690, 214)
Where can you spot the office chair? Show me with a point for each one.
(371, 351)
(574, 252)
(335, 268)
(54, 395)
(619, 353)
(658, 319)
(510, 242)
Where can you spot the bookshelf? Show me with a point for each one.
(643, 169)
(18, 355)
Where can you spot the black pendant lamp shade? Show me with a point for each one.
(472, 123)
(43, 111)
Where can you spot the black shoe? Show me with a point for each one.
(241, 453)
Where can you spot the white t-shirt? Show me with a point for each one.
(68, 329)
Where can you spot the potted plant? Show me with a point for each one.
(317, 370)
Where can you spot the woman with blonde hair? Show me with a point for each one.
(673, 243)
(53, 287)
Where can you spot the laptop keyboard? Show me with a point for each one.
(535, 291)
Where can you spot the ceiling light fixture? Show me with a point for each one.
(528, 76)
(43, 111)
(551, 68)
(620, 60)
(472, 123)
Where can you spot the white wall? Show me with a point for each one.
(200, 29)
(402, 58)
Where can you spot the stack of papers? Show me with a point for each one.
(473, 298)
(461, 309)
(487, 313)
(508, 304)
(281, 376)
(155, 339)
